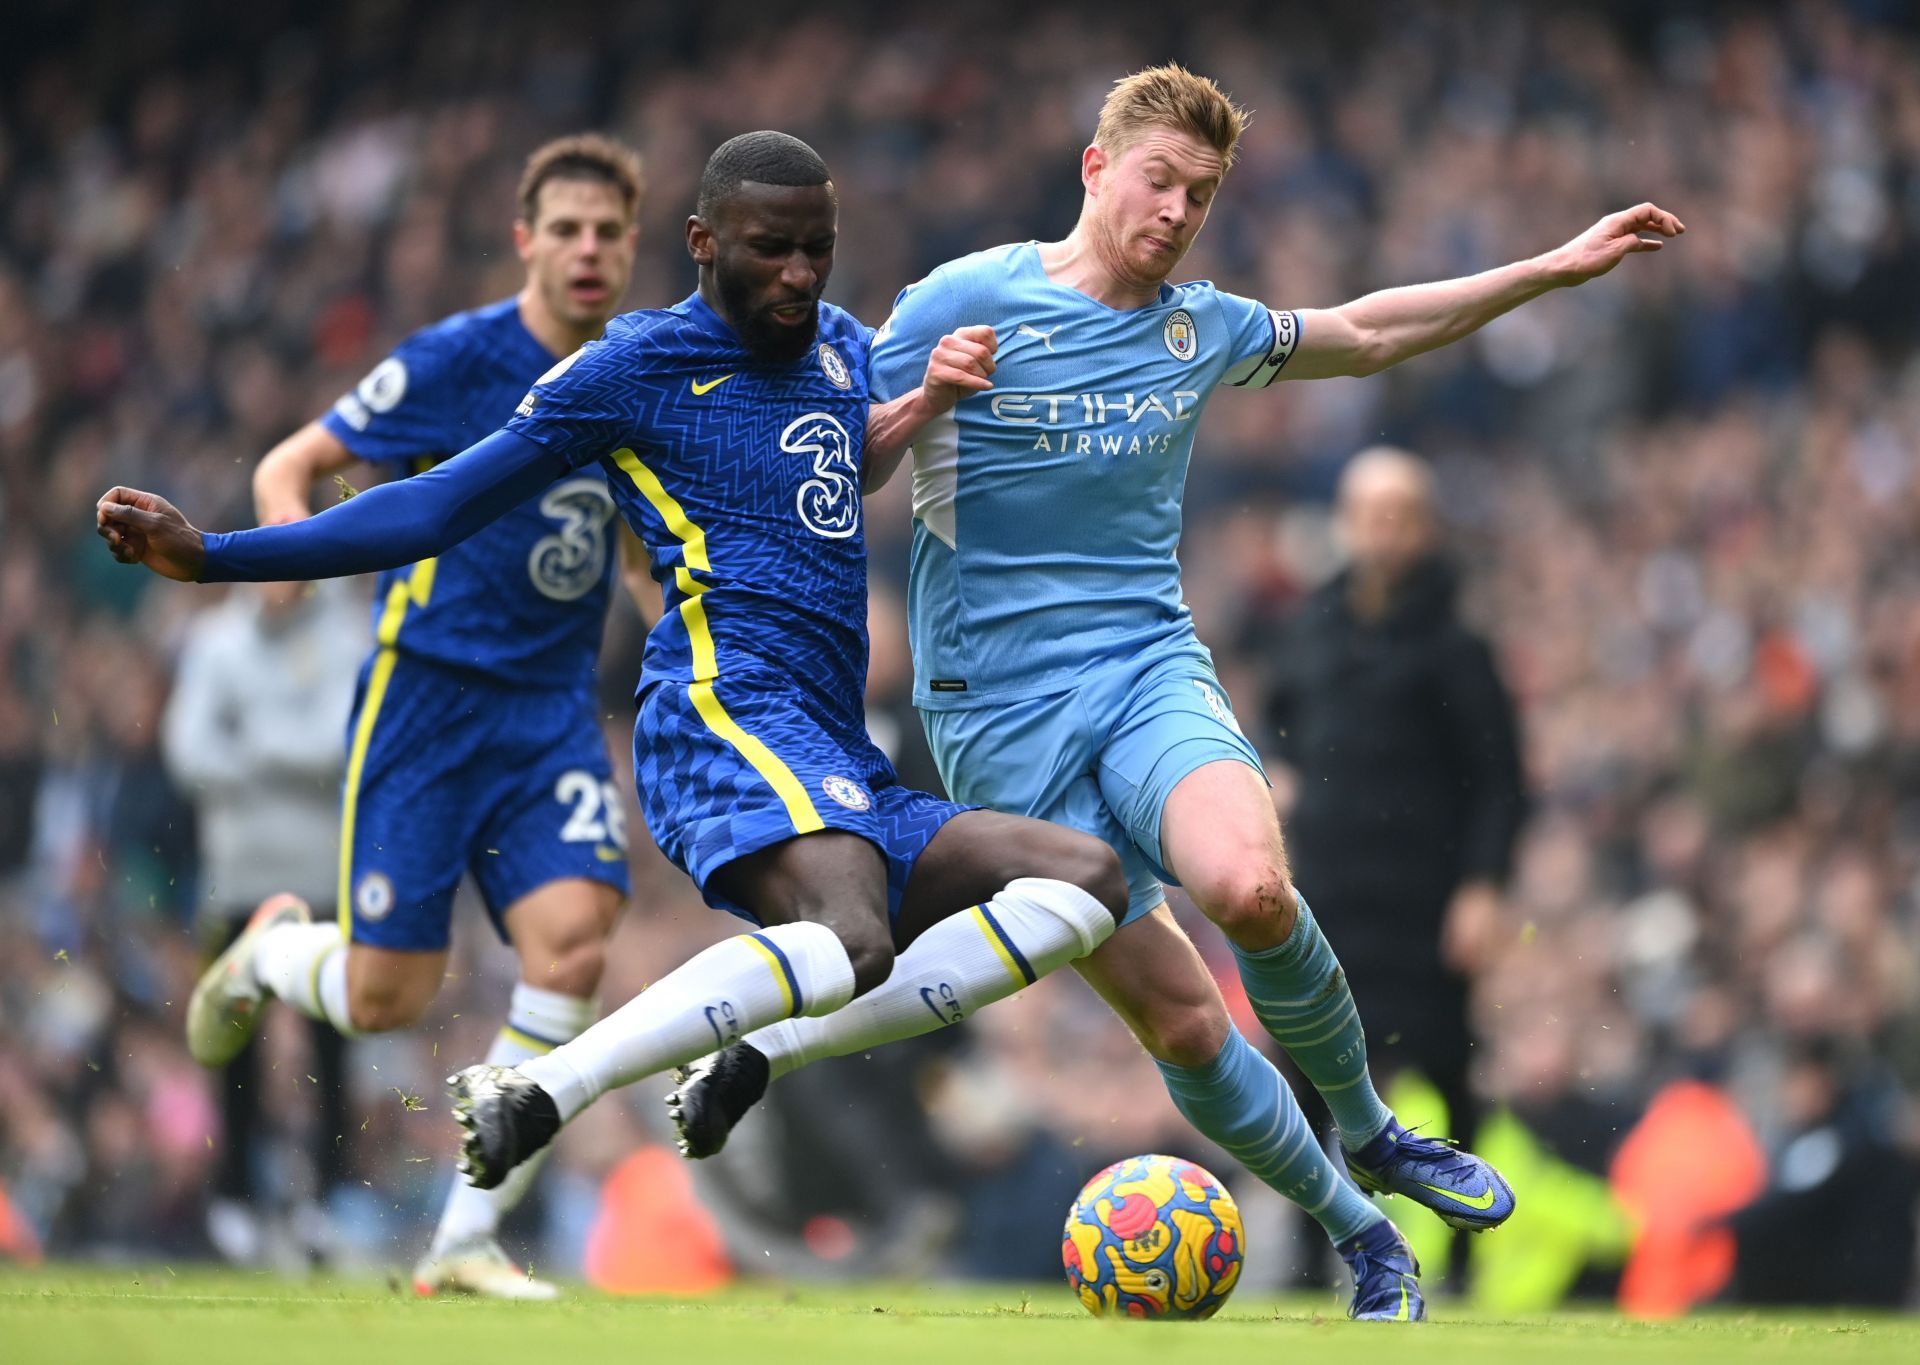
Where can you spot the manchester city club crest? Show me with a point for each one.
(1182, 338)
(847, 792)
(835, 367)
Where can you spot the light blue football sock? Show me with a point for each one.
(1241, 1103)
(1300, 994)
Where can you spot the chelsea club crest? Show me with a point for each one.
(848, 793)
(834, 367)
(1183, 340)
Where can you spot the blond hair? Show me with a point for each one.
(1173, 97)
(581, 156)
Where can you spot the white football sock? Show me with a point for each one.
(334, 1006)
(305, 965)
(537, 1022)
(730, 989)
(962, 963)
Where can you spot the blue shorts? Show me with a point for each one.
(450, 772)
(750, 760)
(1102, 758)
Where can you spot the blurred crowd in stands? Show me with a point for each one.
(1685, 499)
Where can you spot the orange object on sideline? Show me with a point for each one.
(652, 1235)
(1690, 1161)
(17, 1242)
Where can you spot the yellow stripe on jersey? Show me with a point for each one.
(693, 613)
(416, 588)
(693, 540)
(693, 551)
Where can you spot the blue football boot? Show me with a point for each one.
(1386, 1277)
(1460, 1188)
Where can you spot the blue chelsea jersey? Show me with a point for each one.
(1047, 511)
(743, 479)
(525, 599)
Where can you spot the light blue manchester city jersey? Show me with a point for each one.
(1047, 511)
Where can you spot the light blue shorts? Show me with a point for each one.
(1102, 758)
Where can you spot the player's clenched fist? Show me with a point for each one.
(961, 363)
(144, 528)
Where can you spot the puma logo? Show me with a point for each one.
(1029, 330)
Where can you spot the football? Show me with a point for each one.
(1153, 1237)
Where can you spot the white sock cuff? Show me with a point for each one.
(287, 961)
(810, 962)
(331, 988)
(1082, 913)
(545, 1019)
(783, 1045)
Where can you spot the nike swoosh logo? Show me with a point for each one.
(708, 387)
(951, 1015)
(1479, 1201)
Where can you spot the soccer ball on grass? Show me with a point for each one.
(1153, 1237)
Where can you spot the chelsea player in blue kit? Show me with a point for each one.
(736, 432)
(475, 745)
(1059, 675)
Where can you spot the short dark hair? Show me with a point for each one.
(765, 158)
(581, 156)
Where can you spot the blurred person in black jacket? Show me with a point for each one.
(1409, 796)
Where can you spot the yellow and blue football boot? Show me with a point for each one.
(1386, 1276)
(1460, 1188)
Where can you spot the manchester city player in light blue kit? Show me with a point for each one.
(1058, 671)
(475, 745)
(735, 430)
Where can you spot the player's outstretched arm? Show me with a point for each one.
(1385, 328)
(384, 528)
(961, 363)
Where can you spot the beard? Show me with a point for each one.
(760, 334)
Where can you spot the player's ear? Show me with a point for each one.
(1092, 162)
(699, 240)
(522, 238)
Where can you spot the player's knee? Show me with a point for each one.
(871, 953)
(1078, 859)
(1093, 866)
(572, 968)
(1185, 1034)
(1252, 902)
(376, 1007)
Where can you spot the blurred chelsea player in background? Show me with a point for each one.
(475, 745)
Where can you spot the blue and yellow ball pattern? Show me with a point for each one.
(1153, 1237)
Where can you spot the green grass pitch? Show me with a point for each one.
(130, 1316)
